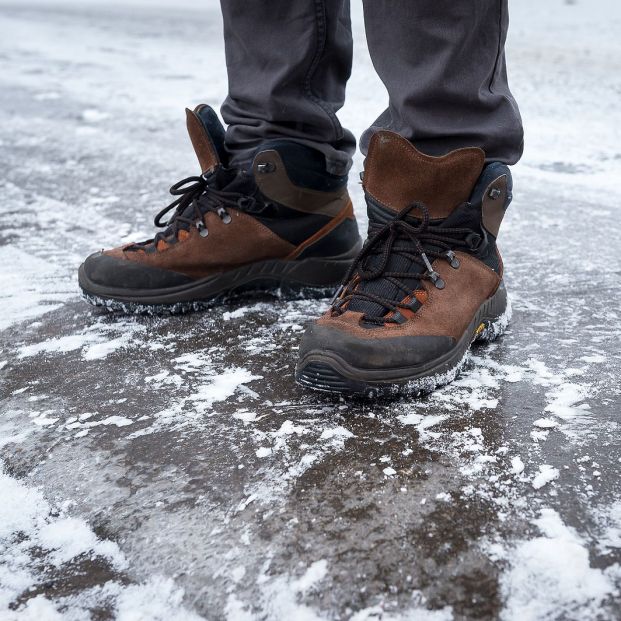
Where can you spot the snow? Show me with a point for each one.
(280, 601)
(377, 613)
(21, 303)
(223, 386)
(517, 465)
(95, 342)
(551, 576)
(609, 539)
(156, 600)
(336, 433)
(545, 423)
(565, 400)
(545, 475)
(70, 537)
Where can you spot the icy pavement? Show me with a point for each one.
(170, 469)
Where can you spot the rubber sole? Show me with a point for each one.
(327, 372)
(306, 278)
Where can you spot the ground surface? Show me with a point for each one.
(170, 468)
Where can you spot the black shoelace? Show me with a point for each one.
(201, 197)
(419, 243)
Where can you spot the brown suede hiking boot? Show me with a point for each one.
(428, 281)
(285, 227)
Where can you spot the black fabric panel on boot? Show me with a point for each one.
(290, 224)
(469, 216)
(294, 226)
(338, 241)
(306, 167)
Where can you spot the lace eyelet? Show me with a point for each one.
(202, 229)
(265, 168)
(436, 280)
(225, 216)
(452, 259)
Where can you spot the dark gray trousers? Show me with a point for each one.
(442, 62)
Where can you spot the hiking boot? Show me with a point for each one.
(428, 281)
(286, 227)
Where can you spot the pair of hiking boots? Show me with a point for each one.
(410, 301)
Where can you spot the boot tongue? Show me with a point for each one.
(207, 136)
(397, 175)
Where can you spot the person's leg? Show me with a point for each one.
(443, 64)
(288, 62)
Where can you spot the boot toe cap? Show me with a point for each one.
(374, 353)
(105, 270)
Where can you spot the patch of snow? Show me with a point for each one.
(545, 423)
(100, 350)
(564, 400)
(92, 115)
(377, 613)
(517, 465)
(336, 433)
(94, 341)
(22, 294)
(244, 310)
(594, 358)
(157, 599)
(546, 474)
(551, 576)
(610, 536)
(222, 386)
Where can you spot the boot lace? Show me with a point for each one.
(420, 243)
(196, 197)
